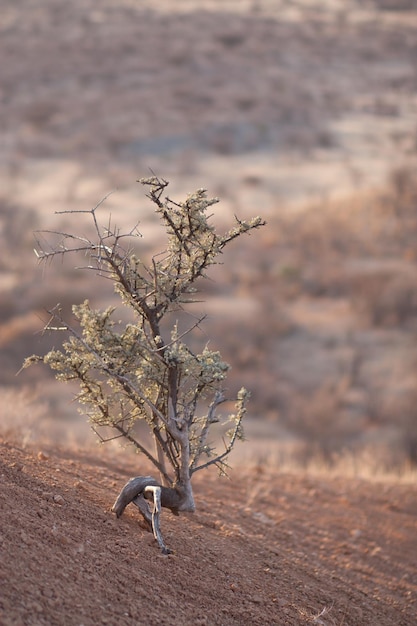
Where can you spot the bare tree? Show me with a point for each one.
(140, 371)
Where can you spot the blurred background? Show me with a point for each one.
(304, 112)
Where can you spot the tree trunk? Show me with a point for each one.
(160, 455)
(184, 485)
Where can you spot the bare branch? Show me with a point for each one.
(209, 420)
(235, 434)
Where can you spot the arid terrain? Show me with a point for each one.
(304, 112)
(264, 547)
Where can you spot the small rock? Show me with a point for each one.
(355, 533)
(17, 466)
(264, 519)
(256, 599)
(58, 499)
(24, 537)
(42, 456)
(35, 606)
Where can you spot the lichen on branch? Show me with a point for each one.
(141, 371)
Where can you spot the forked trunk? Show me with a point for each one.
(177, 498)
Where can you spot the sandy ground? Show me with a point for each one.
(262, 548)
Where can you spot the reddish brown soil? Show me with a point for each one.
(262, 548)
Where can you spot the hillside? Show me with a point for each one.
(304, 112)
(262, 548)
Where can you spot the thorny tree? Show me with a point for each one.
(138, 371)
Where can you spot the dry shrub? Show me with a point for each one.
(38, 414)
(399, 412)
(331, 433)
(384, 285)
(363, 248)
(21, 414)
(395, 5)
(387, 298)
(16, 227)
(397, 210)
(324, 422)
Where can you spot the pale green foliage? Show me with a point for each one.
(134, 372)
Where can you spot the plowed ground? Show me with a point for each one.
(262, 548)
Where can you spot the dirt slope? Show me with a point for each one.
(263, 548)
